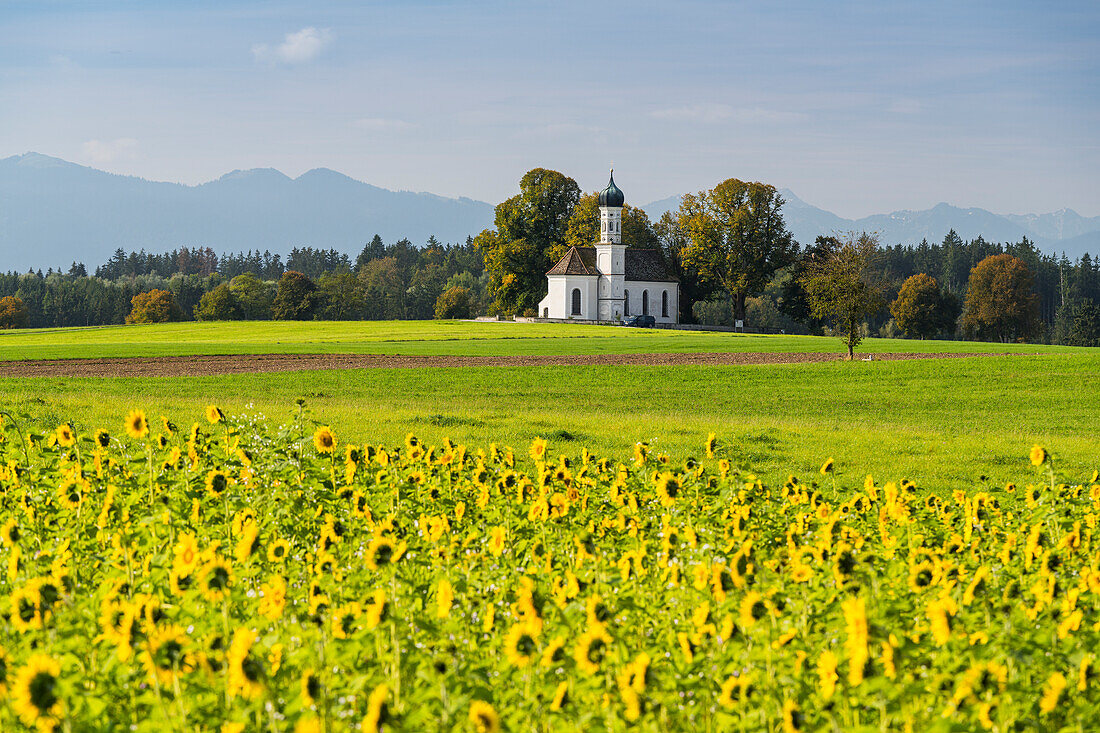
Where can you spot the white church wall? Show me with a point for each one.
(636, 289)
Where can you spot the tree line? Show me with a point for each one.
(729, 247)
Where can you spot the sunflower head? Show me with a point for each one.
(65, 436)
(214, 414)
(136, 425)
(1038, 455)
(324, 440)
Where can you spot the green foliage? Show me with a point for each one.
(155, 306)
(340, 296)
(844, 286)
(13, 312)
(218, 305)
(529, 226)
(1000, 301)
(735, 238)
(295, 299)
(455, 302)
(1085, 329)
(921, 308)
(254, 296)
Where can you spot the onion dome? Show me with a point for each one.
(612, 196)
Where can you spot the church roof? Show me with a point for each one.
(573, 263)
(642, 265)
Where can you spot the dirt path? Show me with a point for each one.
(194, 366)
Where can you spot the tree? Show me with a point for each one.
(1085, 330)
(454, 302)
(1000, 301)
(372, 250)
(528, 227)
(921, 308)
(253, 295)
(340, 297)
(793, 300)
(13, 313)
(844, 287)
(218, 305)
(736, 238)
(154, 306)
(671, 241)
(295, 298)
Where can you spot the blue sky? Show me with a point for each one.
(858, 107)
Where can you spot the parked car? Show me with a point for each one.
(642, 322)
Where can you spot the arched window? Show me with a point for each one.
(645, 302)
(576, 301)
(626, 302)
(664, 304)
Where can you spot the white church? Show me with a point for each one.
(610, 281)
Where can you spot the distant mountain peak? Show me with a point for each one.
(270, 174)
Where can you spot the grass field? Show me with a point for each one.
(946, 421)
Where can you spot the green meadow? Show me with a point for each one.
(949, 423)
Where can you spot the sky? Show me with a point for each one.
(857, 107)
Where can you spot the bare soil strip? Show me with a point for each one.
(200, 366)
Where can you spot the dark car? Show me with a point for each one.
(642, 322)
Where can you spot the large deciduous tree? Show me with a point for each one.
(454, 302)
(584, 227)
(13, 312)
(218, 305)
(528, 228)
(1000, 301)
(736, 238)
(295, 299)
(155, 306)
(922, 309)
(844, 286)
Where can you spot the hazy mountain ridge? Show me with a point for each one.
(53, 212)
(1055, 232)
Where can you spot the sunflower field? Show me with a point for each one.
(242, 576)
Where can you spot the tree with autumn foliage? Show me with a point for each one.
(1001, 303)
(155, 306)
(13, 312)
(922, 308)
(736, 239)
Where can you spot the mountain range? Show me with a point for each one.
(53, 213)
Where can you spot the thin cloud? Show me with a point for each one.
(712, 113)
(380, 124)
(296, 48)
(108, 151)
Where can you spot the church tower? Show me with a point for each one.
(611, 253)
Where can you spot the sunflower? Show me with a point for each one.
(591, 649)
(311, 687)
(521, 644)
(246, 670)
(826, 674)
(668, 489)
(35, 695)
(278, 551)
(214, 414)
(1052, 690)
(10, 532)
(380, 552)
(102, 438)
(752, 609)
(921, 576)
(736, 689)
(711, 444)
(215, 578)
(323, 440)
(561, 697)
(137, 426)
(378, 712)
(939, 614)
(64, 435)
(308, 724)
(377, 609)
(216, 483)
(273, 598)
(538, 450)
(1038, 455)
(345, 620)
(497, 540)
(248, 543)
(185, 553)
(166, 654)
(793, 719)
(26, 608)
(444, 598)
(483, 717)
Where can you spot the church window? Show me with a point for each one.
(626, 302)
(576, 301)
(645, 302)
(664, 304)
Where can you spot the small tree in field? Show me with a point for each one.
(921, 309)
(13, 312)
(844, 287)
(454, 302)
(155, 306)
